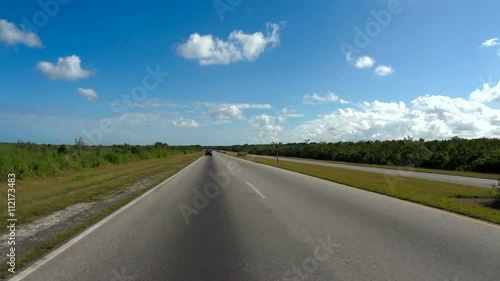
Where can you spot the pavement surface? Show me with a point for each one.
(224, 218)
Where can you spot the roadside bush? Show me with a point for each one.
(241, 153)
(63, 149)
(496, 192)
(29, 159)
(113, 158)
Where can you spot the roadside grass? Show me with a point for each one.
(432, 171)
(37, 197)
(160, 170)
(414, 169)
(435, 194)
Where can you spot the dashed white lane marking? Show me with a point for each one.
(256, 190)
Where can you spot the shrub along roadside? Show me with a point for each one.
(29, 160)
(39, 197)
(456, 154)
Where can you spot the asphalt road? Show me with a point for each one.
(263, 223)
(486, 183)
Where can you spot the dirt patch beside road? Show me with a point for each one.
(33, 235)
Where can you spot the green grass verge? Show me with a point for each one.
(167, 168)
(432, 171)
(41, 196)
(435, 194)
(414, 169)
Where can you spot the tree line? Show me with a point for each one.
(478, 155)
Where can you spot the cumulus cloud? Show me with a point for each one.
(364, 62)
(315, 98)
(384, 70)
(290, 113)
(491, 42)
(10, 34)
(360, 62)
(266, 128)
(240, 46)
(428, 117)
(487, 94)
(89, 94)
(68, 68)
(234, 111)
(185, 123)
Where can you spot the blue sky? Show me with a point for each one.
(248, 71)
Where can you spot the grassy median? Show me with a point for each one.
(436, 194)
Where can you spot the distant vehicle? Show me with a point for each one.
(208, 152)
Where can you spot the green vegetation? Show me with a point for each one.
(496, 193)
(55, 193)
(27, 159)
(39, 197)
(476, 155)
(440, 195)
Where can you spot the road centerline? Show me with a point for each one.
(256, 190)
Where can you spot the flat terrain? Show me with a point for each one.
(264, 223)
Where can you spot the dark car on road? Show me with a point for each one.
(208, 152)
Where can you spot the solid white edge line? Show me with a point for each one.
(24, 273)
(256, 190)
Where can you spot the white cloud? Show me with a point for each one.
(491, 42)
(185, 123)
(364, 62)
(384, 70)
(10, 34)
(487, 94)
(68, 68)
(290, 113)
(315, 98)
(428, 117)
(266, 128)
(228, 111)
(208, 50)
(360, 62)
(89, 94)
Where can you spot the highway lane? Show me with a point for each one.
(261, 223)
(486, 183)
